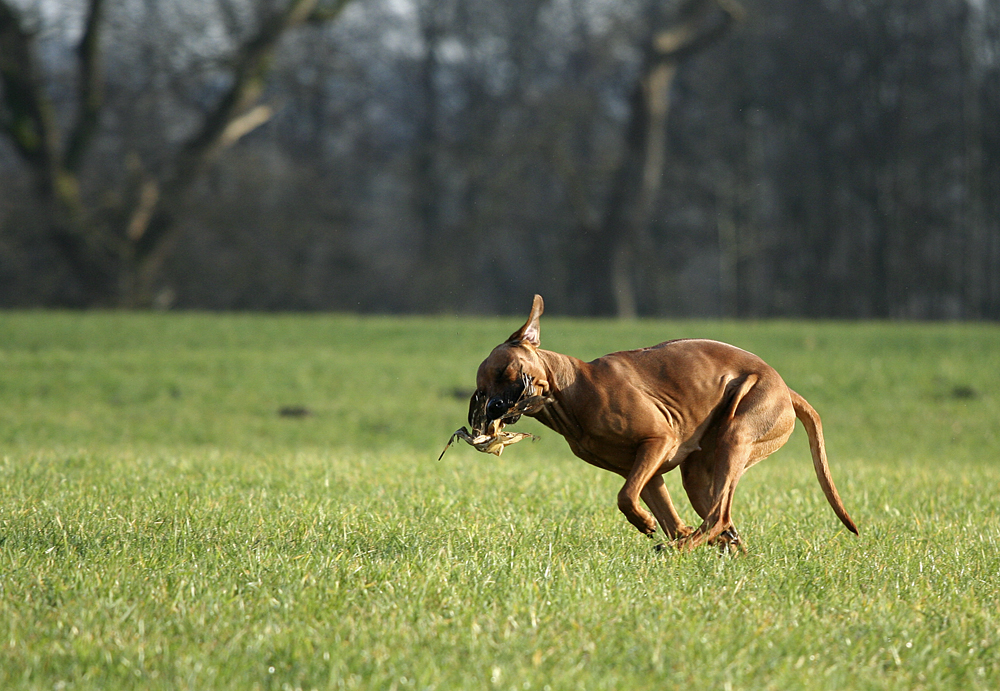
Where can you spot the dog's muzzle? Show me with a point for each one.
(484, 409)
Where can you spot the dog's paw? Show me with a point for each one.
(728, 542)
(642, 520)
(690, 541)
(646, 527)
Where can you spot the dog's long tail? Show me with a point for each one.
(814, 428)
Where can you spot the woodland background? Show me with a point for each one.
(817, 158)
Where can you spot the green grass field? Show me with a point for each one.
(163, 527)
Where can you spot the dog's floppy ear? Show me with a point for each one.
(530, 334)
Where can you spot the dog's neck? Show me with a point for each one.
(561, 372)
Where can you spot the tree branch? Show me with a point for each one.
(327, 13)
(233, 117)
(246, 123)
(26, 115)
(90, 90)
(252, 64)
(695, 32)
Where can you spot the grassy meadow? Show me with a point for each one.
(162, 526)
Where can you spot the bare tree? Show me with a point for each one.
(116, 255)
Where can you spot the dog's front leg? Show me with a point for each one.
(657, 498)
(648, 460)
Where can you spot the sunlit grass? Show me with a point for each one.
(162, 526)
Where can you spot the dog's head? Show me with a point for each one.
(511, 371)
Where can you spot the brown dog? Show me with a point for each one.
(710, 408)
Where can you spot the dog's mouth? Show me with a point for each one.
(489, 414)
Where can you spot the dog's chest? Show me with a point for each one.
(616, 458)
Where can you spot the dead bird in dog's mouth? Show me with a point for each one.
(488, 417)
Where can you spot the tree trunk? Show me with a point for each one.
(608, 265)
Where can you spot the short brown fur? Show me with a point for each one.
(706, 407)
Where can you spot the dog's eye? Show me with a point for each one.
(495, 408)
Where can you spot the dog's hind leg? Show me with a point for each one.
(758, 423)
(697, 473)
(730, 460)
(657, 498)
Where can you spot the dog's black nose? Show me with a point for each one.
(495, 408)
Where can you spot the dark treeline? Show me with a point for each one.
(819, 158)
